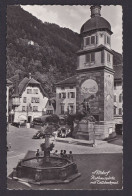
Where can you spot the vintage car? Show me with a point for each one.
(38, 135)
(39, 122)
(21, 123)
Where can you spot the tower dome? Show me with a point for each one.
(96, 22)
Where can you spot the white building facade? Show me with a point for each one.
(31, 101)
(118, 95)
(65, 98)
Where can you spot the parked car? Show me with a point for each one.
(42, 120)
(20, 123)
(38, 135)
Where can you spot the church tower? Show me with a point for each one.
(95, 75)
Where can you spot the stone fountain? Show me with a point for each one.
(45, 168)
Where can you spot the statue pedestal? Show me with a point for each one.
(85, 130)
(104, 130)
(90, 130)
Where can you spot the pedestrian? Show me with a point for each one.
(55, 153)
(64, 154)
(70, 156)
(37, 154)
(61, 153)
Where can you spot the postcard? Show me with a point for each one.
(64, 97)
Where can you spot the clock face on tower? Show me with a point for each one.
(89, 87)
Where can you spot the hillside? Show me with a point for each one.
(46, 50)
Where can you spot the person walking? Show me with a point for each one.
(37, 155)
(61, 153)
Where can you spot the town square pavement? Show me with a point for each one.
(102, 156)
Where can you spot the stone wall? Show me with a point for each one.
(108, 96)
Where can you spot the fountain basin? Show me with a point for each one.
(38, 171)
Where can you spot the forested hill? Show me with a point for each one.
(46, 50)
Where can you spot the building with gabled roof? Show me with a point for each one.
(29, 100)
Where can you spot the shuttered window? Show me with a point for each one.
(96, 39)
(35, 108)
(105, 39)
(114, 98)
(108, 40)
(92, 39)
(62, 108)
(59, 95)
(35, 99)
(92, 57)
(87, 58)
(120, 111)
(108, 57)
(23, 108)
(63, 95)
(120, 98)
(88, 41)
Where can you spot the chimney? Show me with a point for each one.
(30, 76)
(95, 10)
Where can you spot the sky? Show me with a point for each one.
(73, 17)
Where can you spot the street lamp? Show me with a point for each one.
(12, 113)
(28, 110)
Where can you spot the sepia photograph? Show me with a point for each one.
(64, 95)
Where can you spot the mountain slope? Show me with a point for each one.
(46, 50)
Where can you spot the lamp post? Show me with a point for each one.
(12, 113)
(28, 109)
